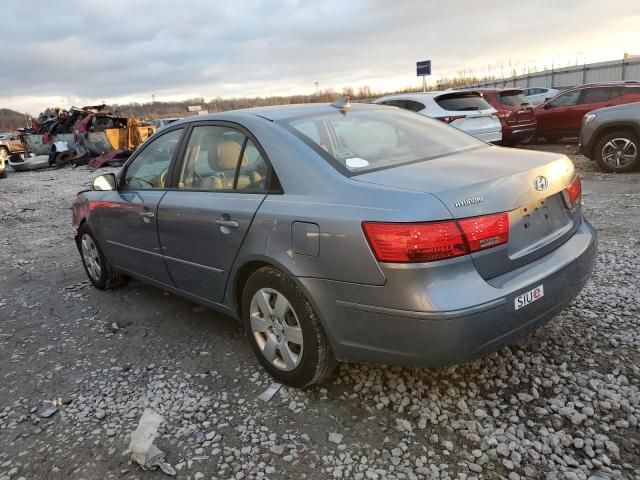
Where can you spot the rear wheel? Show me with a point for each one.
(95, 263)
(618, 152)
(284, 331)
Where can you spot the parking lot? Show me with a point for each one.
(563, 403)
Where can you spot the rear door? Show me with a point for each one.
(202, 221)
(514, 100)
(591, 99)
(128, 216)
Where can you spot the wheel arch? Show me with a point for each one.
(240, 275)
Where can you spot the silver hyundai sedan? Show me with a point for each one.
(344, 233)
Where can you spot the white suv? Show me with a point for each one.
(465, 110)
(538, 95)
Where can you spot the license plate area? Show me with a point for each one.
(529, 297)
(537, 224)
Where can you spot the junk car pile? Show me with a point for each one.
(60, 137)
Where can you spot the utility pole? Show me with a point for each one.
(153, 105)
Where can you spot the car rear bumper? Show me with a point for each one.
(363, 326)
(489, 137)
(519, 133)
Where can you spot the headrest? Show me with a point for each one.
(225, 156)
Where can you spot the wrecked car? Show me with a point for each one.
(10, 143)
(92, 130)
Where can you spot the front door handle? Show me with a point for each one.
(147, 214)
(227, 223)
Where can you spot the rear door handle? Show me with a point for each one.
(147, 214)
(227, 223)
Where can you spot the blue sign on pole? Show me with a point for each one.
(424, 68)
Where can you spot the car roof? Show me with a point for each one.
(279, 112)
(617, 83)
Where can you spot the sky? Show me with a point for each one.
(71, 52)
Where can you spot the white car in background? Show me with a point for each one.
(538, 95)
(466, 110)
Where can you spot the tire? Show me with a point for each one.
(3, 173)
(298, 353)
(95, 263)
(618, 151)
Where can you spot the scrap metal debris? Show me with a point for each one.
(49, 407)
(143, 450)
(270, 392)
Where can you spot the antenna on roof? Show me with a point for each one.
(342, 103)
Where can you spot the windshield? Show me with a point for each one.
(360, 141)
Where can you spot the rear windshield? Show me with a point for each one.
(513, 99)
(360, 141)
(462, 101)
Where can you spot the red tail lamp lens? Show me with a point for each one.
(573, 193)
(427, 242)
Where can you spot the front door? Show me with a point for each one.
(203, 220)
(559, 115)
(128, 216)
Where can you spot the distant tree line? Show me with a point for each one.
(10, 120)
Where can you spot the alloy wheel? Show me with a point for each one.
(91, 257)
(619, 152)
(276, 329)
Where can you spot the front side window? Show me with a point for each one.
(362, 140)
(566, 100)
(149, 169)
(221, 159)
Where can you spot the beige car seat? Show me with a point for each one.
(223, 160)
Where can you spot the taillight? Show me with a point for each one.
(485, 232)
(573, 193)
(504, 113)
(430, 241)
(450, 118)
(415, 242)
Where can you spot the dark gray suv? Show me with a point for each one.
(611, 137)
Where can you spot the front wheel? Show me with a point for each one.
(95, 264)
(284, 331)
(618, 152)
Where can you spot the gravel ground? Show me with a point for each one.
(562, 404)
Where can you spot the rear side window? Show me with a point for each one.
(359, 141)
(412, 105)
(628, 91)
(513, 99)
(220, 158)
(459, 102)
(595, 95)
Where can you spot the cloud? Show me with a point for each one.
(121, 49)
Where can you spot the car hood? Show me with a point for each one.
(482, 181)
(633, 107)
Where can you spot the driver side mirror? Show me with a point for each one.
(105, 183)
(546, 106)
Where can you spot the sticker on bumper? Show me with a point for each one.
(529, 297)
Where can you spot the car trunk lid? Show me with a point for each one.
(492, 180)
